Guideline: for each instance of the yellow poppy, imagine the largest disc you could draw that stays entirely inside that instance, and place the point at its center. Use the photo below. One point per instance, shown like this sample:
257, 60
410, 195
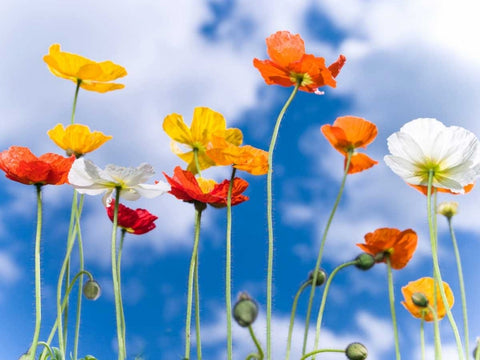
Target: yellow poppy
92, 75
206, 125
77, 139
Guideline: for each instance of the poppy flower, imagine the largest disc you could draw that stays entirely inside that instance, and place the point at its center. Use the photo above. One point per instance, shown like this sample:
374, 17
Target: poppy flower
349, 133
186, 187
448, 209
89, 179
21, 165
425, 286
138, 221
398, 245
92, 75
289, 64
77, 139
426, 145
246, 158
205, 124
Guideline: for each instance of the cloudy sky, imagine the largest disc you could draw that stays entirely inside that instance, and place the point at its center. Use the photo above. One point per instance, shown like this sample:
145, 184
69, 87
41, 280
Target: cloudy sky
405, 59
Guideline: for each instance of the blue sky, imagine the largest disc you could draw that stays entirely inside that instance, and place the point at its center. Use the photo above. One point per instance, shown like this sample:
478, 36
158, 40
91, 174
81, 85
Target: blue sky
405, 60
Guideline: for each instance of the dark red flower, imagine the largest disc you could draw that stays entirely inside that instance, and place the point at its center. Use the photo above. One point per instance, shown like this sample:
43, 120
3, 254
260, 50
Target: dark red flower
138, 221
21, 165
186, 187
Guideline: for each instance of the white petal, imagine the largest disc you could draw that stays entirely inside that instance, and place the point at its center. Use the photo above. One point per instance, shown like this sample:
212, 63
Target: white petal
404, 146
152, 190
130, 176
424, 131
403, 168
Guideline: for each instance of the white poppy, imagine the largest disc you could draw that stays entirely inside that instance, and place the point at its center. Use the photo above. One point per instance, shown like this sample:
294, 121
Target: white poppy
89, 179
425, 144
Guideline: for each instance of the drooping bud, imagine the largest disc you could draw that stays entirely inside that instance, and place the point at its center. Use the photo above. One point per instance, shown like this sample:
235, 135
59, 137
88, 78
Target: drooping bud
448, 209
420, 299
92, 290
321, 277
356, 351
364, 261
245, 310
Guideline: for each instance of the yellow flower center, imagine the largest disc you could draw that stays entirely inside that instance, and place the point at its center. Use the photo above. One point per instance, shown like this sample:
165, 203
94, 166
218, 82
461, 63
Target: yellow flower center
304, 79
206, 185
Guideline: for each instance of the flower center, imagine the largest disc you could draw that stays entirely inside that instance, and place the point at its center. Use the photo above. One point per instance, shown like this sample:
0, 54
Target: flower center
303, 79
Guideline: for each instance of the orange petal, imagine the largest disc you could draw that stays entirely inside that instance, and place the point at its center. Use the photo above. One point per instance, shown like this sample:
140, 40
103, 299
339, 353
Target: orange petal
337, 66
358, 131
272, 74
424, 189
359, 162
285, 48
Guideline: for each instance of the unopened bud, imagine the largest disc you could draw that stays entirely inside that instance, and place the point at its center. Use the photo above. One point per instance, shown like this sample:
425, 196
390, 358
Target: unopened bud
448, 208
92, 290
420, 299
321, 277
356, 351
245, 310
364, 261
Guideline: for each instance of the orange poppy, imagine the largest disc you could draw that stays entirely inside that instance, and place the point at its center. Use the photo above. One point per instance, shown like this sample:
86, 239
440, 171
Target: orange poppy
398, 245
246, 158
21, 165
289, 64
185, 186
349, 133
425, 287
424, 189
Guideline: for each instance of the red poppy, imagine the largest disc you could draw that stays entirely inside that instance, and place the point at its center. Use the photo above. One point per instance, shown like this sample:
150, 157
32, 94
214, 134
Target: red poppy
186, 187
21, 165
398, 245
349, 133
289, 64
138, 221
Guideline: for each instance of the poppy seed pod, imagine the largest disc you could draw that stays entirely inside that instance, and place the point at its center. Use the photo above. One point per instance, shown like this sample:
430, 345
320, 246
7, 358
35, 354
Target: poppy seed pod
92, 290
245, 310
356, 351
420, 299
321, 277
364, 261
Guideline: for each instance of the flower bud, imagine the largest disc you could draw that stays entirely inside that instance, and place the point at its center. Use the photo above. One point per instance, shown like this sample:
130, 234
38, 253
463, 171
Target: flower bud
420, 299
245, 310
356, 351
475, 352
92, 290
364, 261
321, 277
448, 208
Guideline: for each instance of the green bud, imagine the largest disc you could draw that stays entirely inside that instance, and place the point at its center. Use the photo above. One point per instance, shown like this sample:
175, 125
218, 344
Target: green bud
356, 351
92, 290
364, 261
245, 310
321, 277
420, 299
475, 352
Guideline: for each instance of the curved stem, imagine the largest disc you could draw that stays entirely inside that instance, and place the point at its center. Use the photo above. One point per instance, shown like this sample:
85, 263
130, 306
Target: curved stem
321, 351
72, 119
270, 218
80, 279
324, 300
198, 217
257, 343
320, 251
436, 268
116, 284
461, 283
436, 334
391, 296
292, 316
38, 291
228, 267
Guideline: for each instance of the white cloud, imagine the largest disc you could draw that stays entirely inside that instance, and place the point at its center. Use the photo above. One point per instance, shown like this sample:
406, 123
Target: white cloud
9, 269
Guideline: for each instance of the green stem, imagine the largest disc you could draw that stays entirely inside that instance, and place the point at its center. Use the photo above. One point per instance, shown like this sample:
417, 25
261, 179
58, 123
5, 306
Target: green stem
422, 338
270, 218
257, 343
321, 351
197, 311
324, 299
436, 334
391, 296
119, 262
292, 316
80, 280
228, 267
320, 251
436, 268
461, 284
38, 292
198, 217
116, 284
72, 119
197, 163
477, 350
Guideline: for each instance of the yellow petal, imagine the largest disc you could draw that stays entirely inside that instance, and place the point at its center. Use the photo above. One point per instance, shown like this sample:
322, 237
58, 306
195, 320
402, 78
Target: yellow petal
101, 87
206, 122
77, 138
234, 136
176, 129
